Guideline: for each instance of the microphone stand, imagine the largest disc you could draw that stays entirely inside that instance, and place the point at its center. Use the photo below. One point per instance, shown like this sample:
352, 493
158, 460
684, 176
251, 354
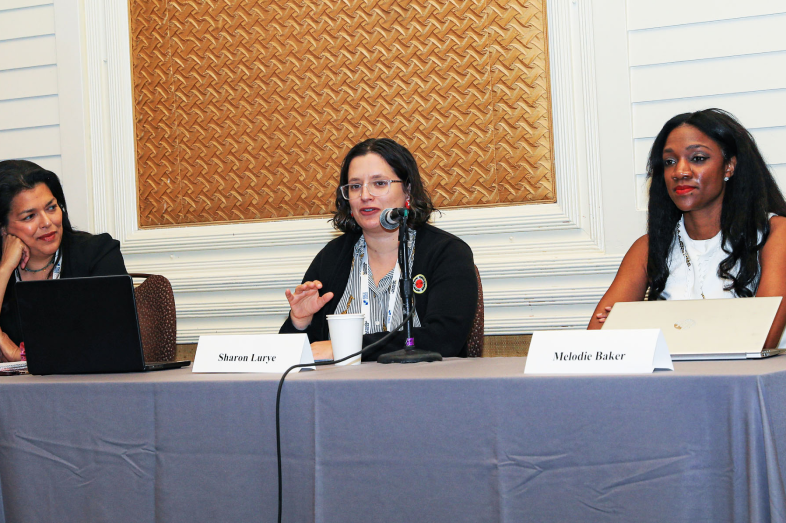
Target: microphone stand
409, 354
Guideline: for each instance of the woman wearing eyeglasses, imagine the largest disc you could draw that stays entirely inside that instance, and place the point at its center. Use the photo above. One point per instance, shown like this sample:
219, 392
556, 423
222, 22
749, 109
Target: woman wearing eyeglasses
379, 174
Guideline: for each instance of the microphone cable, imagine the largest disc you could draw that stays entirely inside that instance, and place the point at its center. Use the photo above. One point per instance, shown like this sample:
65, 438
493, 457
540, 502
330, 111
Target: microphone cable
320, 364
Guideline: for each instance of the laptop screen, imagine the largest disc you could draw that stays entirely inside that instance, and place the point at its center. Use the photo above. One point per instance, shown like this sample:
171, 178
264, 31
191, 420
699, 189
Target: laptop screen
724, 326
80, 325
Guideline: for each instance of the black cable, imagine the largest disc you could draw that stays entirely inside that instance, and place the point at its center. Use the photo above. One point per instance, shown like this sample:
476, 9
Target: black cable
319, 364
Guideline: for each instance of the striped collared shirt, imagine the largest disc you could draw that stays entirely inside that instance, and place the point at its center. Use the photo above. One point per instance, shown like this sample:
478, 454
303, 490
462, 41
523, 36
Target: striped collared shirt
379, 294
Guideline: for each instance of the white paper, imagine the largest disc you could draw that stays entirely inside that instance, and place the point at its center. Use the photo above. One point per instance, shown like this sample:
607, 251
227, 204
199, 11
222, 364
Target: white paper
14, 365
251, 353
634, 351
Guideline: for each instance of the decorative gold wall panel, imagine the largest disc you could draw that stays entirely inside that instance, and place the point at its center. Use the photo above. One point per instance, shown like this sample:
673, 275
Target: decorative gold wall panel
245, 109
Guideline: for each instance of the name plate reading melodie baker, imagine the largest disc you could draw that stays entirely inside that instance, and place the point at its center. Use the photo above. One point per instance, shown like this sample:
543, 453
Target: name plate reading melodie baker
635, 351
251, 353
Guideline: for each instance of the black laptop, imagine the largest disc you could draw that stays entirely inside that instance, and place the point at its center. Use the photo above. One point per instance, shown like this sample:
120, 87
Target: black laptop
82, 325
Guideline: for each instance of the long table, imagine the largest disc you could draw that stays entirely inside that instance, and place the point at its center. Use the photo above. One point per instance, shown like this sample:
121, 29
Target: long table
463, 440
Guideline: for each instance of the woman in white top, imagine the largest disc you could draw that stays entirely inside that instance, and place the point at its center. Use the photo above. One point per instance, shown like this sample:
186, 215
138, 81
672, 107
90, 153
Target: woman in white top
716, 225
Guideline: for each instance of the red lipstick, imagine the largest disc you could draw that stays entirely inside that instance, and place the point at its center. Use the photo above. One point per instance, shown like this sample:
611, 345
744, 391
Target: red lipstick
683, 189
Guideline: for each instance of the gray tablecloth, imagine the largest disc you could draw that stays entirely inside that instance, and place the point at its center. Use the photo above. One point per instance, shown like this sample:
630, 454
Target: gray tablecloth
462, 440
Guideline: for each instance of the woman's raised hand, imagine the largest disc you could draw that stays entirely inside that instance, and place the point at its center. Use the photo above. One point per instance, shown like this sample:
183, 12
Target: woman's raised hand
305, 302
15, 253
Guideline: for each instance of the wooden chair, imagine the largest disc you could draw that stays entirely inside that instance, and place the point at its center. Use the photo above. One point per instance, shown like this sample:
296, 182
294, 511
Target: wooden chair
476, 334
155, 305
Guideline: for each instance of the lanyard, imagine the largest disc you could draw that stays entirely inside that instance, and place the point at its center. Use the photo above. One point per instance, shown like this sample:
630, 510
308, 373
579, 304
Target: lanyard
365, 296
58, 265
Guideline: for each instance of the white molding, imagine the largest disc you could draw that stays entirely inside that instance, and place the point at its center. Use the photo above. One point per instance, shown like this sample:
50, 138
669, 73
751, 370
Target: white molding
493, 326
215, 276
530, 324
121, 117
121, 168
98, 174
591, 132
563, 109
316, 231
71, 99
559, 296
542, 297
208, 264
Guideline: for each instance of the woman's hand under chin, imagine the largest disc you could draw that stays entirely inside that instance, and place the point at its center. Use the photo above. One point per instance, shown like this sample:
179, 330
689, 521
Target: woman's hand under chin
10, 351
15, 253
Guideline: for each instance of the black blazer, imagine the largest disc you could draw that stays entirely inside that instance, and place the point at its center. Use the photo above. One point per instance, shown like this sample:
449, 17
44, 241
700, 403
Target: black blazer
446, 308
83, 255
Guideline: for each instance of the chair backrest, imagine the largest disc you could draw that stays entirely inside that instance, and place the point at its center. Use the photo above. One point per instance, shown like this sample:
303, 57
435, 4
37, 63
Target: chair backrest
155, 306
475, 341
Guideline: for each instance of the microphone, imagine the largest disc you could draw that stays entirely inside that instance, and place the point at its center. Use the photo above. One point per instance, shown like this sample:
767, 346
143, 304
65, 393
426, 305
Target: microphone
390, 218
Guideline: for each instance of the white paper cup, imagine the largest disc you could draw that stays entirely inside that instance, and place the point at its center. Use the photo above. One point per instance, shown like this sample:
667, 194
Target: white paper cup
346, 336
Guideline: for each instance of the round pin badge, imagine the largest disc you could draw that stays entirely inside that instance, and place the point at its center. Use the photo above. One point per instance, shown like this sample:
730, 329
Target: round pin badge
419, 284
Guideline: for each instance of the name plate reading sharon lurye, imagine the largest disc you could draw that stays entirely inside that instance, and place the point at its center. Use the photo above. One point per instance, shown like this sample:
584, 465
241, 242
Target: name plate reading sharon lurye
635, 351
251, 353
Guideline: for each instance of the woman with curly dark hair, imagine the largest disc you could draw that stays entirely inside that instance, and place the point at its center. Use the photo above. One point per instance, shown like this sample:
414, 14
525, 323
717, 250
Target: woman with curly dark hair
378, 174
716, 226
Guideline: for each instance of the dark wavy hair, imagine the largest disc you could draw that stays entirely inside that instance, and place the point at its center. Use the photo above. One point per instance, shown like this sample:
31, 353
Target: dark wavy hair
20, 175
404, 166
750, 195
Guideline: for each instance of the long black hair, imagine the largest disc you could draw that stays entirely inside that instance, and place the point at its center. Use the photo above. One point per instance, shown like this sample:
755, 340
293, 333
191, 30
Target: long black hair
21, 175
750, 195
403, 164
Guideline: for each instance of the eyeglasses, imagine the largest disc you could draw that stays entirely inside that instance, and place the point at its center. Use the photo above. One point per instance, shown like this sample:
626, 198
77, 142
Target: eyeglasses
352, 191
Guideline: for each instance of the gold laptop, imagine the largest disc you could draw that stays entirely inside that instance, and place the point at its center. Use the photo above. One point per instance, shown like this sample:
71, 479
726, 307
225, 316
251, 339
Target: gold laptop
703, 329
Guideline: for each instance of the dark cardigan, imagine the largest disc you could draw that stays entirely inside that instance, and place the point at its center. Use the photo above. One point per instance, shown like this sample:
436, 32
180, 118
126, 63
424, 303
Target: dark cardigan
83, 255
446, 308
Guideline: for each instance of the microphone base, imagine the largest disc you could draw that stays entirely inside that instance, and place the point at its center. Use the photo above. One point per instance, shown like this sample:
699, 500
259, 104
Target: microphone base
409, 356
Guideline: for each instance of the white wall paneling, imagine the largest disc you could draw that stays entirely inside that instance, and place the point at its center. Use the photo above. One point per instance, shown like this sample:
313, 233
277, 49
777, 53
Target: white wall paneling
755, 110
730, 55
664, 13
27, 52
51, 163
28, 112
22, 23
16, 4
30, 143
542, 265
709, 77
717, 39
28, 83
29, 106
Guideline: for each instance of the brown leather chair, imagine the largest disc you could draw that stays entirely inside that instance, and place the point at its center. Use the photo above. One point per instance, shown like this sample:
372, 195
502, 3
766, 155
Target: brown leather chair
155, 306
475, 340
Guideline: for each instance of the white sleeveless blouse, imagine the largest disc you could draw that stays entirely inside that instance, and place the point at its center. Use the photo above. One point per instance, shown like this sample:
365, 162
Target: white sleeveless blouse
688, 283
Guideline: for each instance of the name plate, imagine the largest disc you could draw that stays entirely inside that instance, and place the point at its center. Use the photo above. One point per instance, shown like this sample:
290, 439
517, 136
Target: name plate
251, 353
635, 351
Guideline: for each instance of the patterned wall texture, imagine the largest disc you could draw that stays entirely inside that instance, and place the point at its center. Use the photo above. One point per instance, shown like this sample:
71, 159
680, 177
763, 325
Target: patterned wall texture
244, 109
